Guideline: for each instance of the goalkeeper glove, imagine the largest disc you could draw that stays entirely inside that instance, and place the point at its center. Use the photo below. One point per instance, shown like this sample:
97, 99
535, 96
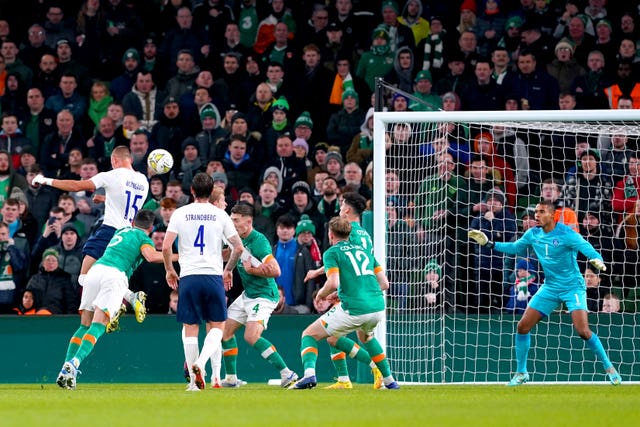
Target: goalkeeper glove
597, 263
480, 238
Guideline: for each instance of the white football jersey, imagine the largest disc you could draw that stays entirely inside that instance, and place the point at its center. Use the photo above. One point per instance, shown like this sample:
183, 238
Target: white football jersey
125, 191
201, 228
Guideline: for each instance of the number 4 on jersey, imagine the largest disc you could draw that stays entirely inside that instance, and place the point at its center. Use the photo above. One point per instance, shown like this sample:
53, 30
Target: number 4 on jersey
199, 242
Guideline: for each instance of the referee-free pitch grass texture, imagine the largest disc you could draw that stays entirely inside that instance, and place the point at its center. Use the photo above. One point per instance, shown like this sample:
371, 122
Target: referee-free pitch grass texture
151, 405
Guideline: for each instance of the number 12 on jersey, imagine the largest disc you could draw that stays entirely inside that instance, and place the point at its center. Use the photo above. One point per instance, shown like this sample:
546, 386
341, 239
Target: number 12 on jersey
199, 242
360, 263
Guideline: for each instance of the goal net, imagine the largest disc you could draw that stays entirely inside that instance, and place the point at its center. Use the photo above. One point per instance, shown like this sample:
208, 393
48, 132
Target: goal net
453, 305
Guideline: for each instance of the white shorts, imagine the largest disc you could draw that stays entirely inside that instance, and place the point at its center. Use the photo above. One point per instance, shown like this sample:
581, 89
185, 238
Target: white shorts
338, 322
244, 310
104, 288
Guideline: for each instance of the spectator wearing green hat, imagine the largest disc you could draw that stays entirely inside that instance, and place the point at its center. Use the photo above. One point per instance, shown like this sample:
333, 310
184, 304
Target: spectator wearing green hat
303, 127
211, 135
423, 86
431, 282
295, 261
53, 285
511, 39
280, 124
122, 84
399, 34
345, 124
378, 61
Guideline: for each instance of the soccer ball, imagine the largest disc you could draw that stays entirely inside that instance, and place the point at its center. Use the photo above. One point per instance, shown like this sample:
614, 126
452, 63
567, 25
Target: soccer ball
160, 161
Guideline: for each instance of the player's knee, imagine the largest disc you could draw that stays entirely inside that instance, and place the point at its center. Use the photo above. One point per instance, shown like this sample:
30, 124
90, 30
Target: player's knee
584, 332
251, 337
332, 341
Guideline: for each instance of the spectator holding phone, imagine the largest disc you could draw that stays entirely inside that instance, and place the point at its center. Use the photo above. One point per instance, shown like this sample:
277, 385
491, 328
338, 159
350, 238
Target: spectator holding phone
50, 236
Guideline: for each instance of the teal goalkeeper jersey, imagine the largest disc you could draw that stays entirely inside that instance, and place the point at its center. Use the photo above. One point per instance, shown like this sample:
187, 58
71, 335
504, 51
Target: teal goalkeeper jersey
359, 290
123, 251
557, 252
256, 286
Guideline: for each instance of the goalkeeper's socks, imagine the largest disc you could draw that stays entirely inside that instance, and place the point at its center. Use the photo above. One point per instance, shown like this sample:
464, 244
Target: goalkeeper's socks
354, 351
374, 349
339, 360
309, 355
230, 355
75, 342
523, 342
596, 346
93, 334
269, 353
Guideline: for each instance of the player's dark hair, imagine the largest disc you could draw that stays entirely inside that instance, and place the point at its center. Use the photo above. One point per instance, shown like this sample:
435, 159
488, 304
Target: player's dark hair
357, 202
144, 219
340, 227
202, 185
548, 203
243, 209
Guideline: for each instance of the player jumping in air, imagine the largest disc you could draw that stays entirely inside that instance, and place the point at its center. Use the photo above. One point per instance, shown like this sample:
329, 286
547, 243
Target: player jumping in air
125, 193
104, 288
556, 246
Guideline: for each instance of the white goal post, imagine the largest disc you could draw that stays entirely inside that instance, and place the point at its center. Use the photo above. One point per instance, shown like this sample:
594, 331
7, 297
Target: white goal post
458, 328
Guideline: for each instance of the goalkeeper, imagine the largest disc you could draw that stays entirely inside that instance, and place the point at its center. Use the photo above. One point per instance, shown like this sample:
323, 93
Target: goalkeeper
556, 246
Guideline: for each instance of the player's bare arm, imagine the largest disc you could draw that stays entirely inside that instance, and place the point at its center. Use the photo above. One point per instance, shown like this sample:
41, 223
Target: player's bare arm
151, 255
330, 286
269, 269
234, 256
167, 256
383, 281
312, 274
65, 184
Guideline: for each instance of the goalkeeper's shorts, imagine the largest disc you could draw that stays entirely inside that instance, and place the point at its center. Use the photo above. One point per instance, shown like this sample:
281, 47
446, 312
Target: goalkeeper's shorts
547, 299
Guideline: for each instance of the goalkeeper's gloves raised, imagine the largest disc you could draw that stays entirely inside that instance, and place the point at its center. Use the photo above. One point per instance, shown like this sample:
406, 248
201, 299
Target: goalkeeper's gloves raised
480, 238
597, 263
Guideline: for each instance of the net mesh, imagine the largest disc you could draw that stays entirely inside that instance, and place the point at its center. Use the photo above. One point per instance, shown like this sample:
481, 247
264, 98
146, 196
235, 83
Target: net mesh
453, 306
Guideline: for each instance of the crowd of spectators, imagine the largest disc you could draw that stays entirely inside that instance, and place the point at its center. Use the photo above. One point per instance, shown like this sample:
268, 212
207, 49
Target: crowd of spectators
273, 99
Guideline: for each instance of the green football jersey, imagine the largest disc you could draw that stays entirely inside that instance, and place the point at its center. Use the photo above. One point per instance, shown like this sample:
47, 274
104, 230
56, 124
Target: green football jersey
123, 251
256, 286
359, 290
359, 236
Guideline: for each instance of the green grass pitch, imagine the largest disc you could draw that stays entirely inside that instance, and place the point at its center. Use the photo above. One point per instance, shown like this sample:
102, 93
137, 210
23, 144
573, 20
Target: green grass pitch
157, 405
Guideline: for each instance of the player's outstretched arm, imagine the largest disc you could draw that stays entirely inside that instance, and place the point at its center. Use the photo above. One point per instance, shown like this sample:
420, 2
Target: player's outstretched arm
598, 263
480, 238
151, 255
65, 184
312, 274
330, 286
